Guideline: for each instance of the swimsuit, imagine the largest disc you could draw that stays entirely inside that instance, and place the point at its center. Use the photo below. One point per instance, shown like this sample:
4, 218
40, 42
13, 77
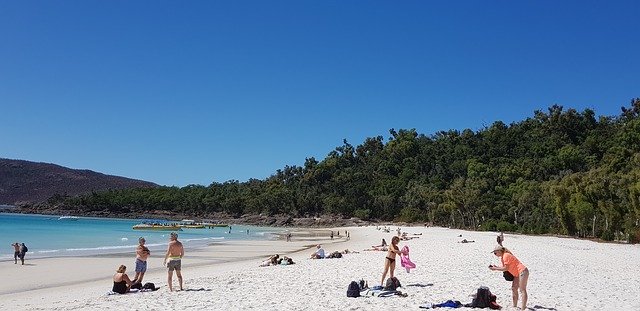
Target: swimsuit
141, 265
120, 287
391, 260
174, 263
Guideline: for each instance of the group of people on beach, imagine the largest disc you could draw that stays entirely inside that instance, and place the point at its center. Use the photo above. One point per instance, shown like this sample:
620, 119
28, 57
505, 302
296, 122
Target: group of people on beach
19, 251
172, 259
513, 270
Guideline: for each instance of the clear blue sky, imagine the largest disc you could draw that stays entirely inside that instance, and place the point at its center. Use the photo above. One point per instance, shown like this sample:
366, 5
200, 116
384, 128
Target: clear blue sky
191, 92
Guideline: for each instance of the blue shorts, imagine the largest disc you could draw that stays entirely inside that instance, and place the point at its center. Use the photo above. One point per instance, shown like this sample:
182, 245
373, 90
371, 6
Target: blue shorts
141, 266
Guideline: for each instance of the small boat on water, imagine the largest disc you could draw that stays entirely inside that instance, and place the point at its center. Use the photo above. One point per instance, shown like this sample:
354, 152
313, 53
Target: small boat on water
159, 227
68, 218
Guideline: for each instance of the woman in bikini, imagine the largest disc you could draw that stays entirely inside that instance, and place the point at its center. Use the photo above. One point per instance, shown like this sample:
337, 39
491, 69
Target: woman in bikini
390, 259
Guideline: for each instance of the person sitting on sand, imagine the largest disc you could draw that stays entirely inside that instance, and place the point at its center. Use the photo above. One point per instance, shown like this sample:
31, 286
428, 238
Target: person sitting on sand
520, 274
319, 253
390, 259
384, 243
121, 281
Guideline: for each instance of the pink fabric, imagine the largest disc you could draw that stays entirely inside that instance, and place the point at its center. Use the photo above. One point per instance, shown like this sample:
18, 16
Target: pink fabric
405, 261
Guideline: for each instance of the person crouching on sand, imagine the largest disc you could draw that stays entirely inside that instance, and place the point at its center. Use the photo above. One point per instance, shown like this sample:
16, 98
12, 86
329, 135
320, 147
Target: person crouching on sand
520, 274
390, 259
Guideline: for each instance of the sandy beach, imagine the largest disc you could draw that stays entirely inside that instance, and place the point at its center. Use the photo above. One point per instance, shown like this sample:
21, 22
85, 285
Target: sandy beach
566, 274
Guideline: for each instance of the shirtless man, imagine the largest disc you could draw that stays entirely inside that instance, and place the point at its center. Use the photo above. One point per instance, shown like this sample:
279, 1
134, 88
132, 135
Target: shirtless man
175, 252
142, 253
16, 251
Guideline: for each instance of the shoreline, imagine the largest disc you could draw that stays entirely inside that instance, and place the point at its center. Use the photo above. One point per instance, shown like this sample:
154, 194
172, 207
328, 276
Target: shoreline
211, 255
285, 222
579, 278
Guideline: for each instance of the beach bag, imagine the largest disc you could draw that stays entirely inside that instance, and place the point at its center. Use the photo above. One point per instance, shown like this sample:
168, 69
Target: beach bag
483, 298
392, 284
507, 276
337, 255
149, 286
353, 290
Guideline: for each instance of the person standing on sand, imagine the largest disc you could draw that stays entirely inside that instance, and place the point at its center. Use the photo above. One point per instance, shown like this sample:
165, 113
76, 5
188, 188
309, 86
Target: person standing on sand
23, 252
500, 238
16, 252
517, 269
175, 252
390, 259
142, 253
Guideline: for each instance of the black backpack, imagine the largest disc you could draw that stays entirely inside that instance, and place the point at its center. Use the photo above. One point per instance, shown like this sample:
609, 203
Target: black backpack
353, 290
149, 286
507, 276
392, 284
25, 249
483, 298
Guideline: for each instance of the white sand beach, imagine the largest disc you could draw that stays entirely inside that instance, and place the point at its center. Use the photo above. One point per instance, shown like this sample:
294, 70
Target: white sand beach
565, 274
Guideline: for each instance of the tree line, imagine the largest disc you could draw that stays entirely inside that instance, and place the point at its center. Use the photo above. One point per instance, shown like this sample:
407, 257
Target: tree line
559, 171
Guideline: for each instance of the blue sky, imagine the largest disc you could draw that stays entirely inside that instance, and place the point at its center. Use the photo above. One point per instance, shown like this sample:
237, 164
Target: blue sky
192, 92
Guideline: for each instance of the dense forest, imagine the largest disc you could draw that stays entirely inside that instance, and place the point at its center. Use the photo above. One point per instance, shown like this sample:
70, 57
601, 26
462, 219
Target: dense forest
559, 171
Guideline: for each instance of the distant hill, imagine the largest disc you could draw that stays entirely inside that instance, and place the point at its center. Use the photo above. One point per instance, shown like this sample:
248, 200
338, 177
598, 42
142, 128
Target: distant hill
25, 181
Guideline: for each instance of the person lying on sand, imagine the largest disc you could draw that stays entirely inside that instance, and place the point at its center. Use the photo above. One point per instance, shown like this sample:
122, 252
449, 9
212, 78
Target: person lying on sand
466, 241
377, 248
285, 261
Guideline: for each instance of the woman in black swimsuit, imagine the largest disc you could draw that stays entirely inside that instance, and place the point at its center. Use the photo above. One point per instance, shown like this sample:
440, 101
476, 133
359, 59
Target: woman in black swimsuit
121, 281
390, 260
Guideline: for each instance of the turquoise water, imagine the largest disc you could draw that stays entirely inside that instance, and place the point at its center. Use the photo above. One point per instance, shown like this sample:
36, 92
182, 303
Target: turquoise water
46, 236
